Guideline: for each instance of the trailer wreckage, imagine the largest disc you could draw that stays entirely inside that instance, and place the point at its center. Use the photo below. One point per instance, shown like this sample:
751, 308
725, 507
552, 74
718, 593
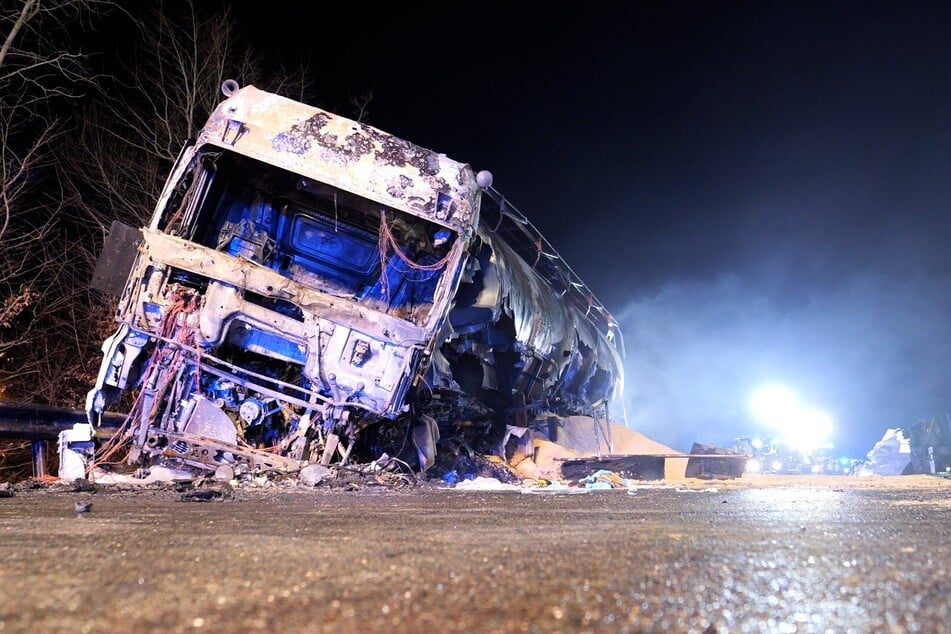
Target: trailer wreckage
313, 290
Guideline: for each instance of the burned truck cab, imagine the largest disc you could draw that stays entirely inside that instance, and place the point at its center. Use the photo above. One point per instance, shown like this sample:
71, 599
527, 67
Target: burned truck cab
294, 277
311, 289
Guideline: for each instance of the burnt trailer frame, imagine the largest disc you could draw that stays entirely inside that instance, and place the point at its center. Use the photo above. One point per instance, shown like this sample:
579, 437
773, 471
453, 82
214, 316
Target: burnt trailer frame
310, 286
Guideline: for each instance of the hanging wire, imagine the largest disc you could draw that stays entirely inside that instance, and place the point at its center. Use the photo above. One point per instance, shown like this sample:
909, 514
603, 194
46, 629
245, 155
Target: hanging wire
387, 241
173, 323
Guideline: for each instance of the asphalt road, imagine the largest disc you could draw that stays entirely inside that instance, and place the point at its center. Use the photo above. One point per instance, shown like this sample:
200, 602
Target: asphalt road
763, 556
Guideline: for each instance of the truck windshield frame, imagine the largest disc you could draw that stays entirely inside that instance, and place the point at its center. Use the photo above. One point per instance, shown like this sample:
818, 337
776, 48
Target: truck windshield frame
318, 235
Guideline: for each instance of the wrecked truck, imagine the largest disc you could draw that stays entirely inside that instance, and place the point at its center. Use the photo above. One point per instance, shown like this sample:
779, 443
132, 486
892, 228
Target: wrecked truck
313, 290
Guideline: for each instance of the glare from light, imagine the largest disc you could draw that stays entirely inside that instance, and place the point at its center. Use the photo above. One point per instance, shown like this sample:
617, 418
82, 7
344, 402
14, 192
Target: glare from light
777, 465
817, 468
801, 429
753, 466
774, 404
757, 443
808, 430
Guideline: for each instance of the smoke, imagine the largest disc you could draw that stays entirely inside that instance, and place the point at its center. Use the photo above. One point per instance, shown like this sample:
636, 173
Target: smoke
870, 352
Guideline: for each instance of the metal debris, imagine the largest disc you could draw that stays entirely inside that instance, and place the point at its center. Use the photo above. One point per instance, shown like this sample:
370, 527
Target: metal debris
83, 485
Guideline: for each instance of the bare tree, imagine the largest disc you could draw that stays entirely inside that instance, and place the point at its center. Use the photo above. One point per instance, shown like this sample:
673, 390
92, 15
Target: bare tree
39, 70
42, 67
33, 56
158, 96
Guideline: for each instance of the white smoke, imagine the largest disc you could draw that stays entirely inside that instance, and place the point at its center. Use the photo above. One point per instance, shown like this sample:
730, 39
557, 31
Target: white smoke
874, 355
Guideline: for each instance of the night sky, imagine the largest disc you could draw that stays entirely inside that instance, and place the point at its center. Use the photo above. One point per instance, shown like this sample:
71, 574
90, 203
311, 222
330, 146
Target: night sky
758, 191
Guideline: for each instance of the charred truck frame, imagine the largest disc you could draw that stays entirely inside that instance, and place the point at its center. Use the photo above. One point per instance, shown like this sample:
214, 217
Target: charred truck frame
311, 289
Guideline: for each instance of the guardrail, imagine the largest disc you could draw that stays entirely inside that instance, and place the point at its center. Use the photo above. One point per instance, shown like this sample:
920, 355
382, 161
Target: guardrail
43, 423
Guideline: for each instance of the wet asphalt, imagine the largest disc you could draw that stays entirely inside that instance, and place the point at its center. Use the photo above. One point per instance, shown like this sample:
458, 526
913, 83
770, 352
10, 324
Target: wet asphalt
712, 558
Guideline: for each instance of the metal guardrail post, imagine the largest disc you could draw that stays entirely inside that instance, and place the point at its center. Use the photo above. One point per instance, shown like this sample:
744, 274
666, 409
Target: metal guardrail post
39, 459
